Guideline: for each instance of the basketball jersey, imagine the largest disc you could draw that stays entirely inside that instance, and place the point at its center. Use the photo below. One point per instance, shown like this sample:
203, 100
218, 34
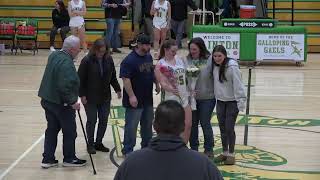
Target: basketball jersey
160, 17
179, 72
76, 21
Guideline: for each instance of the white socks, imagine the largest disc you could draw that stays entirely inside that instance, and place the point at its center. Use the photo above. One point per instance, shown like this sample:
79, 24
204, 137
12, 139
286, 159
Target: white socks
226, 153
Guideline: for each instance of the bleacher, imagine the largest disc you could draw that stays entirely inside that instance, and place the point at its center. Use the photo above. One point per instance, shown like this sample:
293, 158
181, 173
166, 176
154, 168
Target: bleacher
41, 10
306, 13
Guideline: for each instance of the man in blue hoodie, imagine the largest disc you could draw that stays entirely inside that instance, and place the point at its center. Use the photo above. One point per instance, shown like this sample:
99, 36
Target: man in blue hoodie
167, 156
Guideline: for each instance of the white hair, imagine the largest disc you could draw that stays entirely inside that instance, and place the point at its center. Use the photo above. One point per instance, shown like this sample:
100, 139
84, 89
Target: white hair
70, 42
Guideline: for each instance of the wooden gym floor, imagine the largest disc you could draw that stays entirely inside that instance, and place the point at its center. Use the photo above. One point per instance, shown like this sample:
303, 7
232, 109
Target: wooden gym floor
283, 141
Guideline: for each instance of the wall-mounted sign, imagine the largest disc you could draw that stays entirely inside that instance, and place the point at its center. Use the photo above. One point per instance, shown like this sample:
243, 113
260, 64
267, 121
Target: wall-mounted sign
231, 41
280, 46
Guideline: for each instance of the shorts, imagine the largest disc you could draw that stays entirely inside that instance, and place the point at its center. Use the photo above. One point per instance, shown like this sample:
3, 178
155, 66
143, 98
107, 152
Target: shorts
76, 22
78, 27
160, 24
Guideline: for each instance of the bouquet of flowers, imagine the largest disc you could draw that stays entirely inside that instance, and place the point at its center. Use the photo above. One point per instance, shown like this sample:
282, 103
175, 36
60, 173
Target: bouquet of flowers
192, 74
168, 73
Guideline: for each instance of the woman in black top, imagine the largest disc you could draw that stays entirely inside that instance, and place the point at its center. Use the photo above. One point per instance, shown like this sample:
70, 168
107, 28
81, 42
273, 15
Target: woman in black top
97, 73
60, 19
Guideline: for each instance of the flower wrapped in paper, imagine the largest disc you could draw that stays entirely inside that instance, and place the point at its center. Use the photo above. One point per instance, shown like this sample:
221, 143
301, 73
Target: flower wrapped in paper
177, 83
192, 77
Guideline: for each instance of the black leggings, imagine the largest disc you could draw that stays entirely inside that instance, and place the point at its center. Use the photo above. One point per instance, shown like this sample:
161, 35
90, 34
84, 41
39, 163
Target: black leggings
63, 32
227, 113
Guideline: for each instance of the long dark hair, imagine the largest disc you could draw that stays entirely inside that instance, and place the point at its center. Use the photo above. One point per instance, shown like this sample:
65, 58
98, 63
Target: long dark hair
221, 49
167, 44
61, 5
204, 53
97, 45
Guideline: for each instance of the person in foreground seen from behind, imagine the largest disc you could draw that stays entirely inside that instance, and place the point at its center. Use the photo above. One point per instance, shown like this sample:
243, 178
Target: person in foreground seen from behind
167, 156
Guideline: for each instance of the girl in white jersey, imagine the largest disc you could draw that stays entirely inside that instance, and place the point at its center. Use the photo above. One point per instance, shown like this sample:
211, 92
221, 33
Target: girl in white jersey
161, 12
177, 91
77, 9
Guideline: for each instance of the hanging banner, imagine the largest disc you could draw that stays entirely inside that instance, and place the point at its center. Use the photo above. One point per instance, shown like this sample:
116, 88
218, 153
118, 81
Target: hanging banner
231, 41
280, 46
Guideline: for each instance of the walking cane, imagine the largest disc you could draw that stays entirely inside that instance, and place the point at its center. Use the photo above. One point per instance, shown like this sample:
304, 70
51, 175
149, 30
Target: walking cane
85, 136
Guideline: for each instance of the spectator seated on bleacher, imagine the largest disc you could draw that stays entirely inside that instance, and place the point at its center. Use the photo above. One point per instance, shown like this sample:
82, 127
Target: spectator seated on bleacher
60, 18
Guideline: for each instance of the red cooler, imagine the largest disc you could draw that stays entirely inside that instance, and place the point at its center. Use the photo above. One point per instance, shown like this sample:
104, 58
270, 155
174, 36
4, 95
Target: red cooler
247, 11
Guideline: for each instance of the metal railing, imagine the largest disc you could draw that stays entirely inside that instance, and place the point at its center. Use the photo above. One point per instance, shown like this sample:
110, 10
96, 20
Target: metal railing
292, 11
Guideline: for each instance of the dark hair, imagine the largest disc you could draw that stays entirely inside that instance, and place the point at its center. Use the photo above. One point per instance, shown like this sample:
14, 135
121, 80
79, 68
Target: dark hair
61, 5
221, 49
204, 53
169, 118
167, 44
97, 44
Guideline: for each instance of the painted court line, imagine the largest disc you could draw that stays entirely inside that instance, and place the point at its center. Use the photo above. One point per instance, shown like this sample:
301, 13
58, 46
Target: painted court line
21, 157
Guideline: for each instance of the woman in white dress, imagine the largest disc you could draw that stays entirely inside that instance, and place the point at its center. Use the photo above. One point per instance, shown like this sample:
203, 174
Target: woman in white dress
77, 9
174, 83
161, 12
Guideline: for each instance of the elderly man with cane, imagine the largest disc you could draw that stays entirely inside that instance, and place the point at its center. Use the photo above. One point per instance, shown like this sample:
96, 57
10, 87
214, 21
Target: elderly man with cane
59, 99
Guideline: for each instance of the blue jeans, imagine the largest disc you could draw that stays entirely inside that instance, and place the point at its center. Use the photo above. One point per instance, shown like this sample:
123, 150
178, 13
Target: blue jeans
203, 115
112, 32
178, 29
63, 118
226, 6
92, 110
132, 118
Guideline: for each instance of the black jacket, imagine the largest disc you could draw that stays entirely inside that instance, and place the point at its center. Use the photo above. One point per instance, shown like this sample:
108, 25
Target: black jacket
114, 13
167, 158
146, 7
179, 9
60, 19
94, 86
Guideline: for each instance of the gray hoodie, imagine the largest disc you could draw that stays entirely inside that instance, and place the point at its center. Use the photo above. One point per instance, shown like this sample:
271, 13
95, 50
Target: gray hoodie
204, 85
232, 89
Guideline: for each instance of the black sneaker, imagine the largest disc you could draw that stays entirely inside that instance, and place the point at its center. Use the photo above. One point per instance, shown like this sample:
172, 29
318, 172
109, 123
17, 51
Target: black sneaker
75, 163
209, 154
101, 147
116, 50
91, 149
49, 164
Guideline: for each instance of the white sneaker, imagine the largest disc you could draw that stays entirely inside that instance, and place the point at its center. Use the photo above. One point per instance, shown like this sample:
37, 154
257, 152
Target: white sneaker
52, 48
46, 165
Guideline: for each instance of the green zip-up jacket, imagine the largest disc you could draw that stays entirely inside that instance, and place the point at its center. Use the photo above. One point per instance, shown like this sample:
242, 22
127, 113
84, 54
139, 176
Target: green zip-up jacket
60, 82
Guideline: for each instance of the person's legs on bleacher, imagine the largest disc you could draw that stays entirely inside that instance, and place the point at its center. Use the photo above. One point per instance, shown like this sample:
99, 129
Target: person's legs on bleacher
53, 34
63, 32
